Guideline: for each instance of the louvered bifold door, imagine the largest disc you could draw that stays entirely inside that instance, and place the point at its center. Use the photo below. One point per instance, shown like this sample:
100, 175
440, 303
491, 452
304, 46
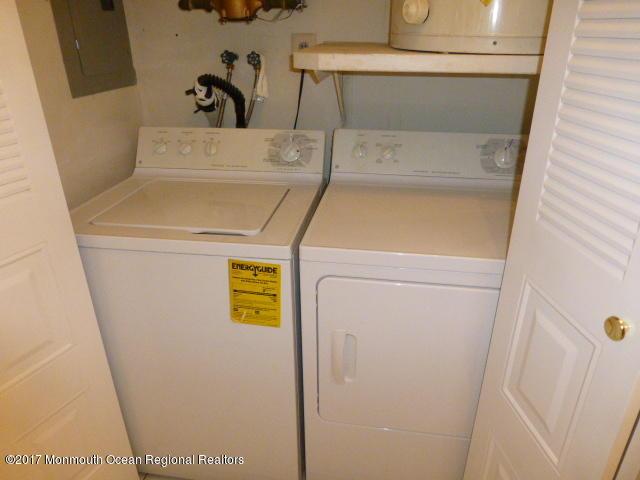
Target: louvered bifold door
592, 192
57, 399
561, 391
13, 175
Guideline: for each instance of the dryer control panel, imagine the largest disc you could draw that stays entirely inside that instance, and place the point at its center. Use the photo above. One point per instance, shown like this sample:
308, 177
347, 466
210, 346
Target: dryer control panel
428, 154
250, 150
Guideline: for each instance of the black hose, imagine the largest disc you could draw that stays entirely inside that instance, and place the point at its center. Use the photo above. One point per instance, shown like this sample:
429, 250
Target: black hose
234, 92
196, 4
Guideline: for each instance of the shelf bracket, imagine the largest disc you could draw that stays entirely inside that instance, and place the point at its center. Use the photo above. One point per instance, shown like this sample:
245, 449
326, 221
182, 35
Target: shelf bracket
339, 85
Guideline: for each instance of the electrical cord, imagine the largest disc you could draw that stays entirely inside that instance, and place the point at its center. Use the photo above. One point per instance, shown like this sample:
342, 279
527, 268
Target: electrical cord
295, 124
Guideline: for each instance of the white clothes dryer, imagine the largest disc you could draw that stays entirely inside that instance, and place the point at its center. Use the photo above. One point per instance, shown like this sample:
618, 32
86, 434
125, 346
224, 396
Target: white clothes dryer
401, 270
192, 267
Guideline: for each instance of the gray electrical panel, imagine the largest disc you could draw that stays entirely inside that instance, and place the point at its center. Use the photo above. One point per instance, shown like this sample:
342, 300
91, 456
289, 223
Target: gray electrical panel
95, 45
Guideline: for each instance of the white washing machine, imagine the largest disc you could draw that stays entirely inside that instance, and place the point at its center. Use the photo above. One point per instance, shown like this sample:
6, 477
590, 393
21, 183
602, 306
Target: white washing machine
193, 272
401, 269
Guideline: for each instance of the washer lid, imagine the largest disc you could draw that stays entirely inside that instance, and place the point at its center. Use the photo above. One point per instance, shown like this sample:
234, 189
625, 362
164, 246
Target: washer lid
197, 207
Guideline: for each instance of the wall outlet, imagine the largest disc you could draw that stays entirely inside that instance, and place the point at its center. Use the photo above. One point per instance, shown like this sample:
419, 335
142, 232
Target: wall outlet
300, 41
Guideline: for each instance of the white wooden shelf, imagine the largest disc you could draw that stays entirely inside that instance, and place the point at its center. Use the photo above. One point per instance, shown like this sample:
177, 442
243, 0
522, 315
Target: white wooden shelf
378, 57
345, 57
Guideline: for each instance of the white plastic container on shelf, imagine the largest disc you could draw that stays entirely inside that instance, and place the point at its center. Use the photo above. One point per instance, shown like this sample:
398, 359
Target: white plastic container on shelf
470, 26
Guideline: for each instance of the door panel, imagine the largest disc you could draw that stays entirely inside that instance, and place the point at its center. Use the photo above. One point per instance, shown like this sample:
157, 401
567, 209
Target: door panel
630, 467
549, 365
32, 316
558, 391
400, 355
62, 434
56, 392
498, 466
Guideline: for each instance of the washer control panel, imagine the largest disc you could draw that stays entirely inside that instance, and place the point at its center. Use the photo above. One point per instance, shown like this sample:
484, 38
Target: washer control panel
428, 154
252, 150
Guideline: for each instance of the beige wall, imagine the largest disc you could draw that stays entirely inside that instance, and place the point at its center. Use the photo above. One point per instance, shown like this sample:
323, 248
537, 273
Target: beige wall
94, 138
172, 47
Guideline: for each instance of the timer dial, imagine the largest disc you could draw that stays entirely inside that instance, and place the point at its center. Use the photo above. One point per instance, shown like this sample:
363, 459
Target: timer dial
506, 157
290, 151
293, 150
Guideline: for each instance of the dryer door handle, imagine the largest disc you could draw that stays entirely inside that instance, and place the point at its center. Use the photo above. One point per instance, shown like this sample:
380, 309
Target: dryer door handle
343, 356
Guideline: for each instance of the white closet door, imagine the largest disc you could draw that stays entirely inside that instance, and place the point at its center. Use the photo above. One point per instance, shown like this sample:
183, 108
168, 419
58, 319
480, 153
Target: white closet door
56, 392
630, 466
560, 397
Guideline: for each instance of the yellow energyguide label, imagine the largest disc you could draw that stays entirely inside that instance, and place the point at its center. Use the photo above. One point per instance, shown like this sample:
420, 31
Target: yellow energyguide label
486, 2
255, 293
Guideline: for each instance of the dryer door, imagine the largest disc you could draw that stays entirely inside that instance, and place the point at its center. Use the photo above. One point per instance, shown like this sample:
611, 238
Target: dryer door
402, 356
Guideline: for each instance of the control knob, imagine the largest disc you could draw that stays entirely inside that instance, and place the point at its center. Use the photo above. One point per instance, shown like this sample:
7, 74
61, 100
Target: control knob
290, 150
360, 151
506, 157
388, 153
185, 148
160, 147
211, 148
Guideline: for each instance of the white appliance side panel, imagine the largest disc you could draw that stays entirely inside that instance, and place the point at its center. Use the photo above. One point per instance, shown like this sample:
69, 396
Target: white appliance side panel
403, 356
189, 379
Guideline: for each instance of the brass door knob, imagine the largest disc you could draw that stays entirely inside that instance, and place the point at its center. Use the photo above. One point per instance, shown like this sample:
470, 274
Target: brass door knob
616, 328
